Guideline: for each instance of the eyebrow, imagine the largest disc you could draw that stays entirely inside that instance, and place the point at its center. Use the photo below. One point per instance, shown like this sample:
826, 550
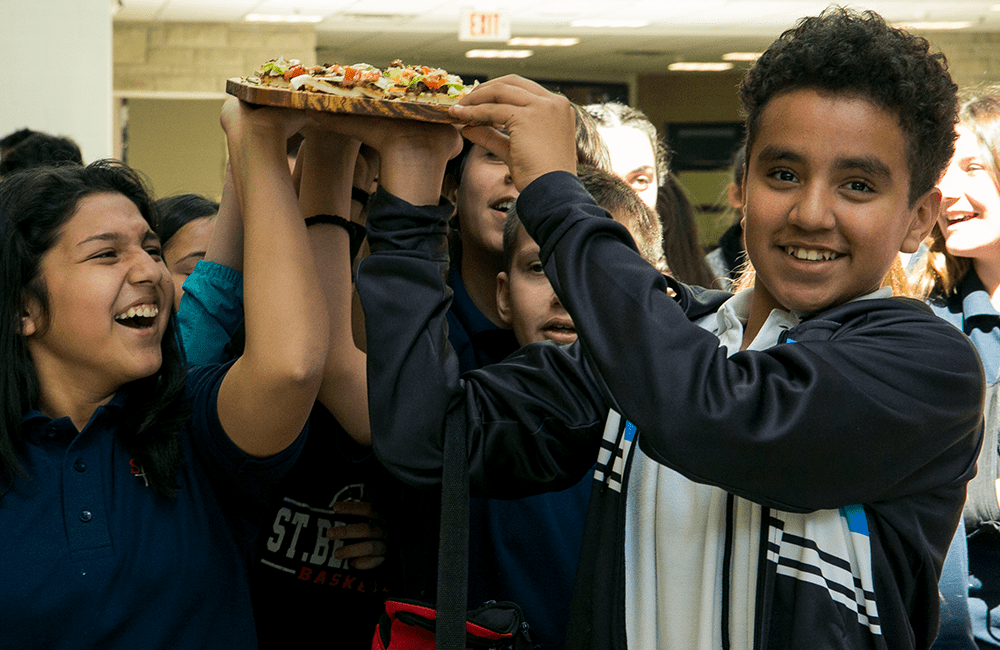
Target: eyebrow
190, 255
148, 236
870, 165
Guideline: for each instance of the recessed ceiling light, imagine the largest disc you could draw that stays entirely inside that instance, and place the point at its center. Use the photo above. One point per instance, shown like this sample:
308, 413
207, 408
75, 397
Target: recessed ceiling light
283, 18
930, 26
609, 24
525, 41
741, 56
498, 54
692, 66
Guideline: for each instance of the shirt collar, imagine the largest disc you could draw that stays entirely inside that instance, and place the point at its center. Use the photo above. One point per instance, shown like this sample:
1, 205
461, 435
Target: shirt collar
734, 313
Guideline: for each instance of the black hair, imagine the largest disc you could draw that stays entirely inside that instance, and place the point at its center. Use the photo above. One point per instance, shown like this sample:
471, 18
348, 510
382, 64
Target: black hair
849, 53
15, 138
174, 212
35, 205
40, 149
684, 255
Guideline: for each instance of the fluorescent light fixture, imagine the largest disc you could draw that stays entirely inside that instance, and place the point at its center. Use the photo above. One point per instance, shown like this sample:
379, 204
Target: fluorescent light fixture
283, 18
995, 8
691, 66
741, 56
609, 24
498, 54
525, 41
931, 26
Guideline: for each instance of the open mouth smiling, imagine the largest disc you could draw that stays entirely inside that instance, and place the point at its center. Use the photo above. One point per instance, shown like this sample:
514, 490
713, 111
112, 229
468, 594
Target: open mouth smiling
138, 317
811, 254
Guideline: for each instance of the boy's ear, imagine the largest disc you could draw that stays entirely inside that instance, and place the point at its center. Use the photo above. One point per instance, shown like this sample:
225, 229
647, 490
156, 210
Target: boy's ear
503, 298
924, 214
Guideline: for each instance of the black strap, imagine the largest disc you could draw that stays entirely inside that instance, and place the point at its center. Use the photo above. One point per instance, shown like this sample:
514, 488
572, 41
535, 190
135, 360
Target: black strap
453, 552
355, 231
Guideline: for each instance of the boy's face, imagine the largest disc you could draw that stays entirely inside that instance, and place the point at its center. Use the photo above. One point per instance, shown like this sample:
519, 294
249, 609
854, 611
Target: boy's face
485, 193
526, 301
826, 200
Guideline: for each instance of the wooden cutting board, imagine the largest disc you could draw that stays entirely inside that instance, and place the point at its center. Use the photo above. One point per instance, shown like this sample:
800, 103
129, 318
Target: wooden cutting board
284, 98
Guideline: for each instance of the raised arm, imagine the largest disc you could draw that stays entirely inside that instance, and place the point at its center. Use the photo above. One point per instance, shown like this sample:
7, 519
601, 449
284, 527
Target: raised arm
266, 396
212, 306
328, 163
534, 428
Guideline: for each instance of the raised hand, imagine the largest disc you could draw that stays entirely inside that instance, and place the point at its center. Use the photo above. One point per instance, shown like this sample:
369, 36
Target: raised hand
530, 128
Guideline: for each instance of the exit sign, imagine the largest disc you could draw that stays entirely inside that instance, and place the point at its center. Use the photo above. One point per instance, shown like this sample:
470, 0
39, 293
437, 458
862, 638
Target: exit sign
483, 25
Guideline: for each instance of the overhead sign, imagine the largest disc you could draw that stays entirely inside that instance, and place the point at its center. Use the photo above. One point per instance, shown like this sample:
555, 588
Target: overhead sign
476, 25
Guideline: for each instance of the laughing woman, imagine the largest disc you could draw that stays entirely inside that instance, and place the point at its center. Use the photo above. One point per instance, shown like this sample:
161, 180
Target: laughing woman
961, 275
128, 483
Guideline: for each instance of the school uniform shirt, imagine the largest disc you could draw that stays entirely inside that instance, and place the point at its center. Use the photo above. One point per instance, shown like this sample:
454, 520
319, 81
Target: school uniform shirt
970, 580
836, 460
298, 586
92, 558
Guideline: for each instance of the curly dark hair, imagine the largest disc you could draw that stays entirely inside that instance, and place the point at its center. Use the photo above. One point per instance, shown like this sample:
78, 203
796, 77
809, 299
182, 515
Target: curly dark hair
850, 53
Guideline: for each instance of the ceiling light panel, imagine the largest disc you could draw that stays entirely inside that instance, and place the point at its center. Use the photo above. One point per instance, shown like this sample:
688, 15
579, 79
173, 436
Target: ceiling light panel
199, 10
537, 41
498, 54
693, 66
304, 7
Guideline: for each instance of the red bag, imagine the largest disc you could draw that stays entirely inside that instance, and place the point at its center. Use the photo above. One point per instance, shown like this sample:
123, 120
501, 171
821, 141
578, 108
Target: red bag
410, 625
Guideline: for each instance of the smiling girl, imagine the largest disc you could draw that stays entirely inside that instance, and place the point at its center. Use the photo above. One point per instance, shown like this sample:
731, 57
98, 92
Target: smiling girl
128, 483
961, 275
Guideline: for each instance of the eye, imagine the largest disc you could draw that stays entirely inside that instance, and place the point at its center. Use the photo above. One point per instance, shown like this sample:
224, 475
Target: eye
859, 186
106, 254
536, 267
784, 176
640, 183
155, 252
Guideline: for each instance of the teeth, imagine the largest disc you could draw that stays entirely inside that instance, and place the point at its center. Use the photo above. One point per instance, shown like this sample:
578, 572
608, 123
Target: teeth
143, 311
811, 254
503, 206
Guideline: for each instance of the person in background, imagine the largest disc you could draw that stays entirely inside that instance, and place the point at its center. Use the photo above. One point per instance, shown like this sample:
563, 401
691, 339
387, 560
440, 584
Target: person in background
319, 566
40, 149
960, 276
14, 138
637, 154
727, 259
681, 249
184, 224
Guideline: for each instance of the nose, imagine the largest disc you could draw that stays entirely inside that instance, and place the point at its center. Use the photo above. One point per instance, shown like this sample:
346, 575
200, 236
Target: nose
813, 210
952, 186
145, 269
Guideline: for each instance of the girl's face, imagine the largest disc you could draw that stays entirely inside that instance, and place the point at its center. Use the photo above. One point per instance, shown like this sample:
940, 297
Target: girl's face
109, 299
970, 203
633, 159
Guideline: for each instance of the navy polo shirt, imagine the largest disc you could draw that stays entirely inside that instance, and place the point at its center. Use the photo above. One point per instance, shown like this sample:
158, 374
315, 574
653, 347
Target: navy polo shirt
92, 558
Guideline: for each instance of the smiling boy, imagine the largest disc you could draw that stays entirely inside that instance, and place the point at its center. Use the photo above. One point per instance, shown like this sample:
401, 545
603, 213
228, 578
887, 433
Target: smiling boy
799, 453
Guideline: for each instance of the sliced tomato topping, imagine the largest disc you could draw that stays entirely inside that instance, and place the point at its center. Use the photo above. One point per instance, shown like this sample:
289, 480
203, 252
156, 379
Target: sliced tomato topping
351, 76
434, 81
294, 72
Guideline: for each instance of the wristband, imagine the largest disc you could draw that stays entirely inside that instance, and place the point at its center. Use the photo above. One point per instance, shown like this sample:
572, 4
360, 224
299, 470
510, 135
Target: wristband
355, 231
359, 195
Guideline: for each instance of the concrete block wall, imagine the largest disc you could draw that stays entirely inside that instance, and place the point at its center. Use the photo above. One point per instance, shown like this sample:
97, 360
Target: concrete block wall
199, 57
973, 58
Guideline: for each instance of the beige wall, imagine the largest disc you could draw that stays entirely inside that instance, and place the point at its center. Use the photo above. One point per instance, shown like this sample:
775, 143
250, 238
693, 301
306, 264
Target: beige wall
172, 78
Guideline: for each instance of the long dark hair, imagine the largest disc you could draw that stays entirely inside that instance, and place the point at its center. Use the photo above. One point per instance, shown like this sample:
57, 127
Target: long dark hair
35, 204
